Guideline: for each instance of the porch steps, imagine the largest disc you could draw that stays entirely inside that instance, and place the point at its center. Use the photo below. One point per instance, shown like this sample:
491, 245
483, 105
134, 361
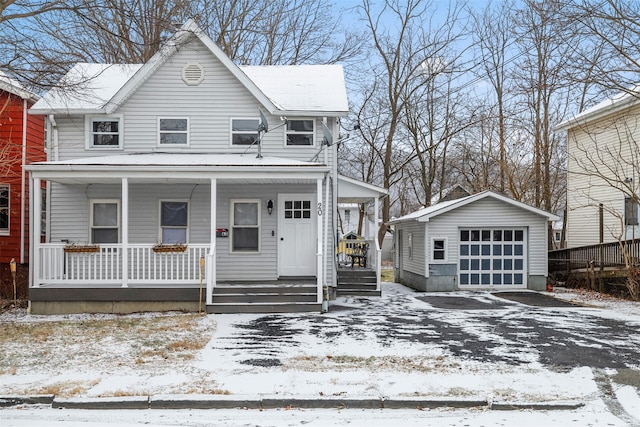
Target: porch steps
264, 298
357, 282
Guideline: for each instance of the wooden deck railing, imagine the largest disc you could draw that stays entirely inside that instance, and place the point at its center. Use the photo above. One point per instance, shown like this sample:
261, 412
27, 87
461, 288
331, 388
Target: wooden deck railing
566, 260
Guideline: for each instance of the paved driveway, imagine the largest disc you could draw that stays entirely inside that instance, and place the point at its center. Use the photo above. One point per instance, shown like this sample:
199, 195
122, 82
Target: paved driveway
513, 328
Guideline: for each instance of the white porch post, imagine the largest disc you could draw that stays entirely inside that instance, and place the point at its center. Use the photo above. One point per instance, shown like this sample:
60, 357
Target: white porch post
319, 270
378, 244
35, 233
211, 256
125, 232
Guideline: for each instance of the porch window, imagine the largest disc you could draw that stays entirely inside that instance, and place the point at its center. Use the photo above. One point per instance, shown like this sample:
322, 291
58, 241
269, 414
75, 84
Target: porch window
105, 221
244, 131
174, 221
439, 249
173, 131
104, 132
630, 211
4, 210
300, 132
245, 232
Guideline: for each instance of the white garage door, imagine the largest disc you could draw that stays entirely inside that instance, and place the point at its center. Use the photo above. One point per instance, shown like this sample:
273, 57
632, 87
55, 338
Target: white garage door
492, 257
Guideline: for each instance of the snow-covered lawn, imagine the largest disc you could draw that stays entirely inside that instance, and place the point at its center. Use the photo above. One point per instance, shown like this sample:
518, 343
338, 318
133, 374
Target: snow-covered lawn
344, 353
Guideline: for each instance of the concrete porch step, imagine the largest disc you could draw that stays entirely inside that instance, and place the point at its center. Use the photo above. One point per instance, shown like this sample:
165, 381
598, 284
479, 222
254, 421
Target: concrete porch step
276, 297
300, 307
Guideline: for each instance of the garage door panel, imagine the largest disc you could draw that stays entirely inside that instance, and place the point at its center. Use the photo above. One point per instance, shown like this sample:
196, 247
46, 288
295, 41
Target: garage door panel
490, 257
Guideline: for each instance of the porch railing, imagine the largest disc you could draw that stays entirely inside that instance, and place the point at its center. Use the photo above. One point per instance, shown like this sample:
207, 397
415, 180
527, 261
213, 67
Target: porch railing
104, 265
566, 260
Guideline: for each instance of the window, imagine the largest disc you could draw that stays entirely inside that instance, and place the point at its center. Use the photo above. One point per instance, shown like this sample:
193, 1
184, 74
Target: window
244, 131
104, 132
174, 220
173, 131
630, 211
300, 132
4, 209
439, 248
245, 230
105, 221
410, 245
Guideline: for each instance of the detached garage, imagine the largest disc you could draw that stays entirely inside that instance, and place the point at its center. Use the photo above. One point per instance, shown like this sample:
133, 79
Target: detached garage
483, 241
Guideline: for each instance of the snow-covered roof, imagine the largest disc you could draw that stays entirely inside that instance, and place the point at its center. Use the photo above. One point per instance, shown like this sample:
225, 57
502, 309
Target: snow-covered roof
86, 88
425, 214
181, 159
608, 106
13, 86
302, 88
296, 89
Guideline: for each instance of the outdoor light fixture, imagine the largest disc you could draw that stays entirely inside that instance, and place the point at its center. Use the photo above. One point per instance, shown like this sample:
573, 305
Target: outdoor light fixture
270, 206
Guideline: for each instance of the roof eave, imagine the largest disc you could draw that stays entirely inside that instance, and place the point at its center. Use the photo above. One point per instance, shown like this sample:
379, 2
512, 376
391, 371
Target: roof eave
580, 120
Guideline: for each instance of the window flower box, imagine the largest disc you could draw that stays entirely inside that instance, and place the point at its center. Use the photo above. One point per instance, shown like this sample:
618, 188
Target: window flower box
81, 248
169, 248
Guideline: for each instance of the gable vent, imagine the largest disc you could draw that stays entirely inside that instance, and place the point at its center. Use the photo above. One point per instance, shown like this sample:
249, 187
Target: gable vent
193, 74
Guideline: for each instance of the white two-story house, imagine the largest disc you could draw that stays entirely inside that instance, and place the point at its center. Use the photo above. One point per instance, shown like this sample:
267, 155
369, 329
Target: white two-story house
190, 183
603, 170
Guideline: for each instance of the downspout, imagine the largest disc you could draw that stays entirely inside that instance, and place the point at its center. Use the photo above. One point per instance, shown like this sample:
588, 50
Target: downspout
22, 180
54, 127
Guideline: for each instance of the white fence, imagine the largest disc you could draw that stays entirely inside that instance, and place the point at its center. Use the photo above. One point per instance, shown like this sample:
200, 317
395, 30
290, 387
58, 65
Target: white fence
104, 265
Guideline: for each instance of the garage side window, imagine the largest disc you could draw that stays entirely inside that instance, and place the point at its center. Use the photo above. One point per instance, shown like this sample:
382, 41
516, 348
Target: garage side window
439, 249
4, 210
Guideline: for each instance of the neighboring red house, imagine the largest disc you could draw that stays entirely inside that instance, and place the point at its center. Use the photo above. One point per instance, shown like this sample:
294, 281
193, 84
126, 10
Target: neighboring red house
22, 138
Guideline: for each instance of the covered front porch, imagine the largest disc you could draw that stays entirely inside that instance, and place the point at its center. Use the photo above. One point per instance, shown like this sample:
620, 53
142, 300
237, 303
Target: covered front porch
142, 272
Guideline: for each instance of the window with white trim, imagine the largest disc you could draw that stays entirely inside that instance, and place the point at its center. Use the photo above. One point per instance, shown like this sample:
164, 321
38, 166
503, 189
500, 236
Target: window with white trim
439, 249
630, 211
244, 131
105, 221
300, 132
173, 131
105, 132
174, 221
4, 209
245, 229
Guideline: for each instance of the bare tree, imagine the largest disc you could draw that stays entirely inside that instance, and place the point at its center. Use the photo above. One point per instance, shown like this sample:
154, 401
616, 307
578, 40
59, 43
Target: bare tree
402, 51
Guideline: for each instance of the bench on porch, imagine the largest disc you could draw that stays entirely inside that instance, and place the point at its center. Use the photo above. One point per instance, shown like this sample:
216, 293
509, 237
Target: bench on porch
359, 255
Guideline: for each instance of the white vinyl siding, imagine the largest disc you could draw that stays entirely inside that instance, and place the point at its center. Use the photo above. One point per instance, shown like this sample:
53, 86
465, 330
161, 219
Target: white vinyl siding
413, 255
491, 213
70, 219
209, 116
585, 190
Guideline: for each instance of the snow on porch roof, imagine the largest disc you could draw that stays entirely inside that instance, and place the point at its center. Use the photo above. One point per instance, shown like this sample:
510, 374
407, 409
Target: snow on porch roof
353, 191
181, 159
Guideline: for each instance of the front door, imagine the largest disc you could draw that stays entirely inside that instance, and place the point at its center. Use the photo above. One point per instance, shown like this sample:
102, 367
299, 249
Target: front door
297, 234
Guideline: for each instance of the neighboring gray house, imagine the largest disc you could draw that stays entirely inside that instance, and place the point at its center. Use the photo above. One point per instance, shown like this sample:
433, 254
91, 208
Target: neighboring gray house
189, 182
483, 241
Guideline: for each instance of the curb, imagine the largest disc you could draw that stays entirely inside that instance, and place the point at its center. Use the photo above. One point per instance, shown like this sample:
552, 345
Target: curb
244, 402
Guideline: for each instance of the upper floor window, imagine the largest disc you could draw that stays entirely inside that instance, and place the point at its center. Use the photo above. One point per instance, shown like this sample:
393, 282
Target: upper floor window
244, 131
630, 211
300, 132
173, 131
105, 221
4, 209
105, 132
174, 221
